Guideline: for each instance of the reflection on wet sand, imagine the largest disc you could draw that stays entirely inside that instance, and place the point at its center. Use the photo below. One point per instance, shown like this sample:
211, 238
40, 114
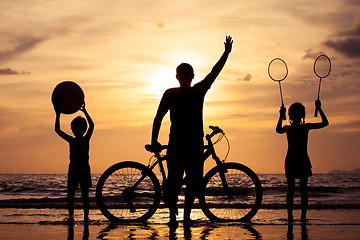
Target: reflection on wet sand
290, 232
71, 232
234, 231
133, 231
196, 231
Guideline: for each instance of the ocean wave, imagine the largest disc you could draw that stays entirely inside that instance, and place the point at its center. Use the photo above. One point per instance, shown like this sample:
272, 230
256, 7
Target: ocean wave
61, 203
49, 191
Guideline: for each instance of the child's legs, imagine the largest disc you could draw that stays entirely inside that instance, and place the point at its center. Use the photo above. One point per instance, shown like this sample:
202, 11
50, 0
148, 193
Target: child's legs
85, 184
72, 185
290, 195
304, 197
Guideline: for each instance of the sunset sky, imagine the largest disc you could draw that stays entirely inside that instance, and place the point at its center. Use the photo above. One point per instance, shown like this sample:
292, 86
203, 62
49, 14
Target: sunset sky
123, 54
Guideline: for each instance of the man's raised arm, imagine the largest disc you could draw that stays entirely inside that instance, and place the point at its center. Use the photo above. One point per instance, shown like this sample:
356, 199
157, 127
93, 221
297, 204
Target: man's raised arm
210, 78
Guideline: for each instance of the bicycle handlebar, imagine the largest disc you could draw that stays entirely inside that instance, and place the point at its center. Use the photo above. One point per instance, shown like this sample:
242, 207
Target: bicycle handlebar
216, 129
155, 149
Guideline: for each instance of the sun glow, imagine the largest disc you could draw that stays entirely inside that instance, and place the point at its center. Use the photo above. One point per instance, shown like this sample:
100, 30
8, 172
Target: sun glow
164, 79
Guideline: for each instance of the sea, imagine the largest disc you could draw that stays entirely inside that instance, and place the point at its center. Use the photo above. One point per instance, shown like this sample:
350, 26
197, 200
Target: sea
41, 198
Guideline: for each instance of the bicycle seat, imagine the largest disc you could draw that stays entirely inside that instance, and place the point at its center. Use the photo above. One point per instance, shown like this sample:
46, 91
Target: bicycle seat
153, 149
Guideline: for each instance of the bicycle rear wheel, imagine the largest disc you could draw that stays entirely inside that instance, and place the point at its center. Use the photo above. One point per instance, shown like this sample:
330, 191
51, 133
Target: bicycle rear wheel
239, 202
128, 192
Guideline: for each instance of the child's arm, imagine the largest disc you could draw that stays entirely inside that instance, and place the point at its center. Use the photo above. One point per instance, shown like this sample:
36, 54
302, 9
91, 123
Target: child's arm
324, 121
90, 121
62, 134
210, 78
279, 128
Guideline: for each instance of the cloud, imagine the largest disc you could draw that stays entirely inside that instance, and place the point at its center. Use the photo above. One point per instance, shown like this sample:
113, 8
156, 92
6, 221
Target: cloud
9, 71
247, 78
310, 54
346, 42
22, 45
160, 25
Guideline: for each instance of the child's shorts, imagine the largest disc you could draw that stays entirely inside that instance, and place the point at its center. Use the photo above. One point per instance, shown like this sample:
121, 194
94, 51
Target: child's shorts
84, 179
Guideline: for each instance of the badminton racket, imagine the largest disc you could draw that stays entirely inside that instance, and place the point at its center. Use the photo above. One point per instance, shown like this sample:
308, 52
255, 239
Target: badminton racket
278, 71
322, 69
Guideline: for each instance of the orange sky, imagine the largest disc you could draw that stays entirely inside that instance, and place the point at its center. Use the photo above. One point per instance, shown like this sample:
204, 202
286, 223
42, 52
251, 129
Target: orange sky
124, 53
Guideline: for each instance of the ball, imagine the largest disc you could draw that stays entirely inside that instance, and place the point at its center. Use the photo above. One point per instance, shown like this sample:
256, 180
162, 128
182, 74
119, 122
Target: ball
67, 97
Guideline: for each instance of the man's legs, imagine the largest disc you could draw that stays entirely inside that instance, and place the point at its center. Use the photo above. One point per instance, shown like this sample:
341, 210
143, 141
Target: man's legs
193, 187
194, 169
174, 181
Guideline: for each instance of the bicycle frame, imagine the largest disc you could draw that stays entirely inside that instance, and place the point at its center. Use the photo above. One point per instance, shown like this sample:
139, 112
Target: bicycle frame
209, 151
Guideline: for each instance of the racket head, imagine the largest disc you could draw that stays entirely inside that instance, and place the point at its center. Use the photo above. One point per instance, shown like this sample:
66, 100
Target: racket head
277, 69
322, 66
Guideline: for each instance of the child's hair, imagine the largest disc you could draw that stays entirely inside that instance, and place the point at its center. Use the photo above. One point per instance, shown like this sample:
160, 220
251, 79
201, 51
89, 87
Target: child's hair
79, 125
297, 111
185, 71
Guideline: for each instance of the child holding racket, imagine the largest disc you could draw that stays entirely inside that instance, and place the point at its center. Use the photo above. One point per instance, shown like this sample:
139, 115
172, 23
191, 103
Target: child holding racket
297, 161
79, 168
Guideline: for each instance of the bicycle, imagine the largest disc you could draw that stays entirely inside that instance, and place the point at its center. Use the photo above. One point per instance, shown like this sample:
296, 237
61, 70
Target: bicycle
131, 192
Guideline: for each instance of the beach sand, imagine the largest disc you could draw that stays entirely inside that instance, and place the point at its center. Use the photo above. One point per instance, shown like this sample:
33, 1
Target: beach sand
267, 224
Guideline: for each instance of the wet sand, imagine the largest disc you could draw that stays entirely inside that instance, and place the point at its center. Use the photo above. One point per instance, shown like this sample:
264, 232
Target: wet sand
162, 231
267, 224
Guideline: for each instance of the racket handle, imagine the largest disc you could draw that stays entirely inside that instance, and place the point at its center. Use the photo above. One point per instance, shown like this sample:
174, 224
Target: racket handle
316, 108
316, 112
283, 116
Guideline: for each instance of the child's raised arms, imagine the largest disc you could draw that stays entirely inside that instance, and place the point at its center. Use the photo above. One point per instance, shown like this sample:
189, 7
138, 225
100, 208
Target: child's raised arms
324, 122
69, 138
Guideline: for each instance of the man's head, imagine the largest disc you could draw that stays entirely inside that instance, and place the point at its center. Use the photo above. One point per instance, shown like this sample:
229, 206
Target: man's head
185, 74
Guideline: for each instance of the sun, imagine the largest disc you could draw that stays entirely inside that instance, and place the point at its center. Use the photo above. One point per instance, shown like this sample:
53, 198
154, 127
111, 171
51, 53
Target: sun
164, 78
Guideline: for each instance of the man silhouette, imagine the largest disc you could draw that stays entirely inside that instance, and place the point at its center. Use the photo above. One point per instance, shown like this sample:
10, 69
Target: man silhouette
186, 146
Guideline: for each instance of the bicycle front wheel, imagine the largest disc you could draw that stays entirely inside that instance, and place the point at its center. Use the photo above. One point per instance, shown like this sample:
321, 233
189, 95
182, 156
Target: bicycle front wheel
236, 196
128, 192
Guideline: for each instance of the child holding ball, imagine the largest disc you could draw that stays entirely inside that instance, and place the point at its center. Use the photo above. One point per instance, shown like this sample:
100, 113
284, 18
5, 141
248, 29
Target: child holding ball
79, 167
